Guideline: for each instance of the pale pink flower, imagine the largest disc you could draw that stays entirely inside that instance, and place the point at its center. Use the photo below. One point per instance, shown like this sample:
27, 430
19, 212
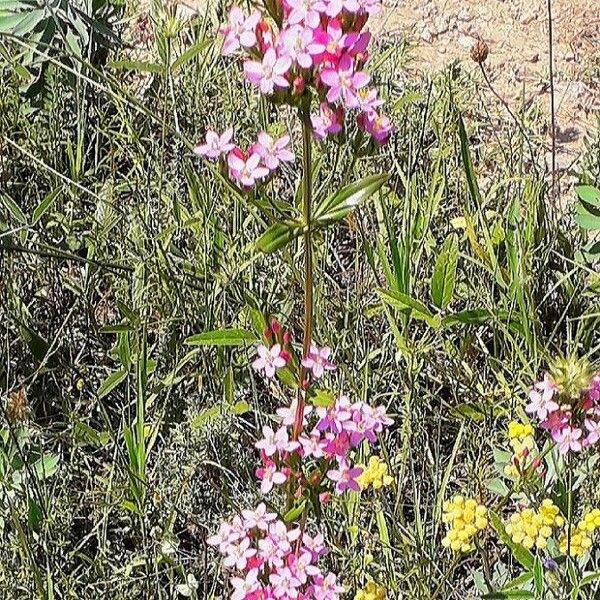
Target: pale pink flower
315, 545
278, 441
240, 30
270, 551
568, 439
258, 518
541, 402
343, 82
594, 431
284, 583
318, 361
328, 122
223, 538
312, 445
362, 426
238, 554
246, 171
368, 101
301, 45
269, 73
243, 587
270, 476
345, 477
334, 8
379, 126
371, 7
215, 145
288, 413
269, 360
302, 567
326, 588
304, 11
273, 151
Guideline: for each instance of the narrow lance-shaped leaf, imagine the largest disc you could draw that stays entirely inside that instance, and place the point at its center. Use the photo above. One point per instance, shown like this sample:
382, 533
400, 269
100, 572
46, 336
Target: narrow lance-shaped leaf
222, 337
405, 302
444, 273
279, 235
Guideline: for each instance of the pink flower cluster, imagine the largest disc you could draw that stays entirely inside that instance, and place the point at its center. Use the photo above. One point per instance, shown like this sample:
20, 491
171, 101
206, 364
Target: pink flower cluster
573, 424
270, 561
337, 431
246, 168
320, 43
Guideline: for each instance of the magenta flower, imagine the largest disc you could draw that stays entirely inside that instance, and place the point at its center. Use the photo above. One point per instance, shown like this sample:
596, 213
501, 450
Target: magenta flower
269, 359
328, 122
240, 30
332, 39
273, 151
345, 477
362, 426
243, 587
541, 400
237, 554
343, 82
334, 417
326, 588
215, 145
301, 44
379, 126
246, 171
270, 476
318, 361
568, 439
269, 73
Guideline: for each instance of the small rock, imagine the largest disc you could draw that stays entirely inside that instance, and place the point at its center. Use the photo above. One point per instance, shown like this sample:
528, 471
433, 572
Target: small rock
464, 16
570, 56
465, 41
427, 35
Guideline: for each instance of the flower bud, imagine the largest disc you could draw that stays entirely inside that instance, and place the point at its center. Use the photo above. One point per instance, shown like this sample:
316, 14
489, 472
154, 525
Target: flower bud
525, 452
287, 336
285, 355
536, 463
298, 86
267, 332
264, 36
305, 384
275, 326
325, 497
480, 51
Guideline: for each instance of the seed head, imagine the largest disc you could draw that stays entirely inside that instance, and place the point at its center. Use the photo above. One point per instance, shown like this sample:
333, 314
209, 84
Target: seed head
480, 51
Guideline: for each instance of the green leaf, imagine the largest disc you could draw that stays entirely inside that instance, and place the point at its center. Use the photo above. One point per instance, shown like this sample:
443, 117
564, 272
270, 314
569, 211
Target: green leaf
111, 382
519, 581
294, 513
20, 24
404, 302
241, 408
587, 217
538, 576
511, 595
46, 466
589, 194
136, 65
444, 273
45, 204
590, 578
497, 486
190, 53
14, 209
279, 235
342, 203
205, 416
470, 411
524, 556
222, 337
323, 399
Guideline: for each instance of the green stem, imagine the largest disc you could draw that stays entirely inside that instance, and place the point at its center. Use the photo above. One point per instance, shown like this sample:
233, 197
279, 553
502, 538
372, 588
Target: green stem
308, 263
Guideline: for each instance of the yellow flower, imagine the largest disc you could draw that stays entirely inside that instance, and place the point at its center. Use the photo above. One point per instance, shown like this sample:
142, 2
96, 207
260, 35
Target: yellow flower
580, 542
520, 437
533, 528
372, 591
375, 474
465, 518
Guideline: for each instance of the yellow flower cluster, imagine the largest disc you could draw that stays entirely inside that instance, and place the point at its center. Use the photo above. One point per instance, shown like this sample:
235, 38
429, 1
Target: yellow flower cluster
375, 474
581, 536
533, 528
520, 437
465, 518
372, 591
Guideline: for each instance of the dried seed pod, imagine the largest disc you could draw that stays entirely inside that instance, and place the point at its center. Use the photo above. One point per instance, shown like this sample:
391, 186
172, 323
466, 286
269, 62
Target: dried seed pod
479, 51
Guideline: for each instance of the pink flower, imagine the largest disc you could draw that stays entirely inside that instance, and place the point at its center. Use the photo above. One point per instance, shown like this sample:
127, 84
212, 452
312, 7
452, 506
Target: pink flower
243, 587
337, 445
332, 40
273, 151
345, 477
343, 82
318, 361
362, 426
302, 567
273, 442
327, 122
568, 439
334, 417
326, 588
594, 431
541, 400
270, 476
269, 73
368, 101
240, 30
215, 145
312, 445
303, 11
379, 126
248, 171
315, 545
223, 538
556, 421
258, 518
284, 583
269, 359
288, 413
301, 45
238, 554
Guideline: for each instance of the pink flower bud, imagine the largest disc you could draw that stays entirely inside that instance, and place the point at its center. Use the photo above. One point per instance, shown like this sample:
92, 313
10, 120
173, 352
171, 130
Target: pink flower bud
264, 35
298, 86
267, 333
525, 452
285, 355
305, 384
275, 326
325, 497
536, 463
287, 336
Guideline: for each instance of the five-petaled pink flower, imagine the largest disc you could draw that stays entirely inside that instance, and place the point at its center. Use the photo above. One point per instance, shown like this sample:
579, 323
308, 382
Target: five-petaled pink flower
270, 476
238, 554
273, 151
244, 587
276, 441
304, 11
345, 477
269, 73
344, 82
215, 145
328, 121
568, 439
541, 399
246, 171
269, 359
240, 30
318, 361
302, 45
593, 428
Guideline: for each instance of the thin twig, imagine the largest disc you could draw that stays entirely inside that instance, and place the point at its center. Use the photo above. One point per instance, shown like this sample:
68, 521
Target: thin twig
552, 107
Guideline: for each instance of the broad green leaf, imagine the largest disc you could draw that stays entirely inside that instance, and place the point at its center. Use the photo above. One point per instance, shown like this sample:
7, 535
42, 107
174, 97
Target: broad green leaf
241, 408
590, 578
323, 398
589, 194
205, 416
190, 53
587, 218
22, 23
222, 337
497, 486
46, 466
444, 273
404, 302
339, 205
294, 513
45, 204
470, 411
111, 382
136, 65
279, 235
524, 556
